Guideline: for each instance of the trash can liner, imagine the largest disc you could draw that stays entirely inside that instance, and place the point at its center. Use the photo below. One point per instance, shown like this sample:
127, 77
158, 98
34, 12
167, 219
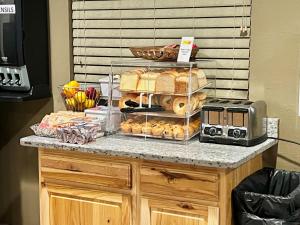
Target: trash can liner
268, 197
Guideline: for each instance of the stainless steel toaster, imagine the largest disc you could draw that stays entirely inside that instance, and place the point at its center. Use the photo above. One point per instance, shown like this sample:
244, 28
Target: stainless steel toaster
234, 122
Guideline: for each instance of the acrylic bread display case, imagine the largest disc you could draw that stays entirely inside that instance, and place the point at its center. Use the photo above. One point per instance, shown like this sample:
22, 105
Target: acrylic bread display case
161, 99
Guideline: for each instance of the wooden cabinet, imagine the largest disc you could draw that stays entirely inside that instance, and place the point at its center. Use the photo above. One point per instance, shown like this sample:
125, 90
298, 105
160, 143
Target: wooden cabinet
166, 212
86, 189
72, 206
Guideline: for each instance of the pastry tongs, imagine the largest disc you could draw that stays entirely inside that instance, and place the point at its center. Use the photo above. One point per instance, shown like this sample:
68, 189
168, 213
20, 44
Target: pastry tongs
140, 107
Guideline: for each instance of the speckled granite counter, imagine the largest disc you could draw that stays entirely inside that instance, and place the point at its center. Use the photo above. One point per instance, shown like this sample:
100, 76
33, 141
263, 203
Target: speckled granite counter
195, 153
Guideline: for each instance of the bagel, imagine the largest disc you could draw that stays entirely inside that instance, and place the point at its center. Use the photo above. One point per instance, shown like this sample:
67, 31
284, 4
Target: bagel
181, 107
166, 102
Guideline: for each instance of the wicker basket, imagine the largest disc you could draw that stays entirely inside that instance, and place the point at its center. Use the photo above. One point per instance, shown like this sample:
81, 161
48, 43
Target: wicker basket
160, 53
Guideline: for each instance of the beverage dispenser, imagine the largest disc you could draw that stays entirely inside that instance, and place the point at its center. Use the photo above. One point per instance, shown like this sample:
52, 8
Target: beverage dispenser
24, 56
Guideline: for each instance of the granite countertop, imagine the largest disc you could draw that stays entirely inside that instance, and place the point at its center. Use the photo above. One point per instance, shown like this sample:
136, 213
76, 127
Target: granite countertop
194, 153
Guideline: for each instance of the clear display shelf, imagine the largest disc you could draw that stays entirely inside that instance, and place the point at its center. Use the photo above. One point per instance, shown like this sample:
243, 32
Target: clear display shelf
167, 114
187, 138
207, 85
168, 94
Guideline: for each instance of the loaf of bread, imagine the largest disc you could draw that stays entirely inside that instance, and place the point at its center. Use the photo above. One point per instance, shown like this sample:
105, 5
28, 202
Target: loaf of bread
186, 83
165, 82
147, 82
202, 81
129, 79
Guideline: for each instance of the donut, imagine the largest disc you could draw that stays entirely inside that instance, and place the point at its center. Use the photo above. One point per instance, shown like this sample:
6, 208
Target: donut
126, 127
144, 99
166, 102
126, 98
178, 132
180, 105
158, 131
136, 128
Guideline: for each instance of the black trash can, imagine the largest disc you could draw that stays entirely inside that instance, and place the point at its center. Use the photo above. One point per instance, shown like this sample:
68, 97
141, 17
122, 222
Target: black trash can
268, 197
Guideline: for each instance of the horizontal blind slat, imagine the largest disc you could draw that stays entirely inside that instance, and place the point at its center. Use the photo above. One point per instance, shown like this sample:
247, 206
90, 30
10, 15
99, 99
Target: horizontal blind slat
203, 53
220, 73
218, 63
163, 13
133, 4
203, 43
159, 33
161, 23
224, 84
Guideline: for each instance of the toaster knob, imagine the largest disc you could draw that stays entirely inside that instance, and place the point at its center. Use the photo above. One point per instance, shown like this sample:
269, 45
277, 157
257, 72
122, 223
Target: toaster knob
237, 133
213, 131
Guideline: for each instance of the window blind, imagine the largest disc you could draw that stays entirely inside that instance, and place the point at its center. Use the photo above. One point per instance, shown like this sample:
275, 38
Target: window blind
104, 30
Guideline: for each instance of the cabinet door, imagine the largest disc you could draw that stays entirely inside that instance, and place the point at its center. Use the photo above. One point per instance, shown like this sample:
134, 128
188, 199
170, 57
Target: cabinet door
166, 212
70, 206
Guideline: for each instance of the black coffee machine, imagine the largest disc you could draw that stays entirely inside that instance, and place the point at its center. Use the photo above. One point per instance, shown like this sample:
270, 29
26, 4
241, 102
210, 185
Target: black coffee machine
24, 55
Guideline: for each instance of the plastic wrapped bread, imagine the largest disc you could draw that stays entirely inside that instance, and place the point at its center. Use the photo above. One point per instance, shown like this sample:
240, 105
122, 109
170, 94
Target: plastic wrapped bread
80, 133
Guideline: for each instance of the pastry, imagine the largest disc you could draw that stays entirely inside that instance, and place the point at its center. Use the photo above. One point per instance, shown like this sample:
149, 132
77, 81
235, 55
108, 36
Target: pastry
136, 128
165, 82
186, 82
147, 129
129, 80
126, 127
166, 102
188, 130
178, 132
181, 106
158, 130
196, 124
168, 132
126, 98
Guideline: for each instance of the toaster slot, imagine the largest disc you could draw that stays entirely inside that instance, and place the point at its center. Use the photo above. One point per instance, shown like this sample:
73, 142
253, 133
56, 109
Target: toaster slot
214, 115
237, 117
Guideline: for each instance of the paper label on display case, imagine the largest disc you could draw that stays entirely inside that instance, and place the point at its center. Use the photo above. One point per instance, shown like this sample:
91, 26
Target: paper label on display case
186, 48
7, 9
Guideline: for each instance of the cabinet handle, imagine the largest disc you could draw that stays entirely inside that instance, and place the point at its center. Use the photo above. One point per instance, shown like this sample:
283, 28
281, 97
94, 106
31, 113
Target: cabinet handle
185, 206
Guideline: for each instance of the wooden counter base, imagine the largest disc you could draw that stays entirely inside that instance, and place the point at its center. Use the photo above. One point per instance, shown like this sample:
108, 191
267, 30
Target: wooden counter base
87, 189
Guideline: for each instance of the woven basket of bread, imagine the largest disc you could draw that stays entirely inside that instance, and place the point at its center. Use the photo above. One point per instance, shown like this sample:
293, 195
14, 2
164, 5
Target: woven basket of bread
160, 53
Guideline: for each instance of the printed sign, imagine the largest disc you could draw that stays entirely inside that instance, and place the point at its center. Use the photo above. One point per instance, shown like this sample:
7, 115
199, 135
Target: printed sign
7, 9
185, 51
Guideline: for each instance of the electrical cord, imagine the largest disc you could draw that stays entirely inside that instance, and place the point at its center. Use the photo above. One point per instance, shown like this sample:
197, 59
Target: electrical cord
285, 140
